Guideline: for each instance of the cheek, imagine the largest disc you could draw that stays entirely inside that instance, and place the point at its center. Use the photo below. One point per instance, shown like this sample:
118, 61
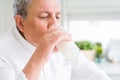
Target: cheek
37, 25
40, 31
34, 30
41, 27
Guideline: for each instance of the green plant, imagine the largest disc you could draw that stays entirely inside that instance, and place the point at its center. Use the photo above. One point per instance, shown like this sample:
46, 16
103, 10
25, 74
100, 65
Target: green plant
85, 45
98, 49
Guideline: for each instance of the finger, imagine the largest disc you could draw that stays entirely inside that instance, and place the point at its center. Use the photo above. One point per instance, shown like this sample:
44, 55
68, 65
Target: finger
56, 31
61, 37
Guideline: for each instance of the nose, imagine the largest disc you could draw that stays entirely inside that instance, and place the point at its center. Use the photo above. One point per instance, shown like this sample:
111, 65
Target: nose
53, 22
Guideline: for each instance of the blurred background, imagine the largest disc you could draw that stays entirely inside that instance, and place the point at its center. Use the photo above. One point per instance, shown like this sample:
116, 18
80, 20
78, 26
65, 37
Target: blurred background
94, 25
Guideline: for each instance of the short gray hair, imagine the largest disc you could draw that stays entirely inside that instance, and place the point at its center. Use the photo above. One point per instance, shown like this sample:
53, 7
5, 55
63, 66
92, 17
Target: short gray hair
20, 7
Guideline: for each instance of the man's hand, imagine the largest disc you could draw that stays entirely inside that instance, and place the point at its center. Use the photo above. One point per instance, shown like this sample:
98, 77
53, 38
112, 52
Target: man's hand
46, 47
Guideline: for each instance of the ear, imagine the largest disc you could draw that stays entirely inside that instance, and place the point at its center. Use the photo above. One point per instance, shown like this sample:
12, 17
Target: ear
19, 22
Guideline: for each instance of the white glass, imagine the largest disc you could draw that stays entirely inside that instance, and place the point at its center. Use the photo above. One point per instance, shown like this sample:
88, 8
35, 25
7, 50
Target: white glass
69, 50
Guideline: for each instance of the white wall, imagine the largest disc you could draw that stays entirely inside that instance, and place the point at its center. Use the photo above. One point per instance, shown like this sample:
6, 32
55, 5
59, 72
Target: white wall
6, 15
92, 9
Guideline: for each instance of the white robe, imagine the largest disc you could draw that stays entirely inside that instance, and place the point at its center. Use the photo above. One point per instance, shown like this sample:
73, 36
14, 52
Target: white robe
15, 52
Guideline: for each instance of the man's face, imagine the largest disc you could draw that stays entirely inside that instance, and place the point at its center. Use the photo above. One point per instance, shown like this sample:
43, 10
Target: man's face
41, 15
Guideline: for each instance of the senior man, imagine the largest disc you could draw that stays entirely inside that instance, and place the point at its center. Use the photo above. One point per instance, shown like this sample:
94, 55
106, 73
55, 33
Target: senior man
28, 51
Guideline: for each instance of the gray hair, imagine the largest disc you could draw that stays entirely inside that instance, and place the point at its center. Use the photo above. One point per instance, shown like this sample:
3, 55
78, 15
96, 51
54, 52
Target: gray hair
20, 7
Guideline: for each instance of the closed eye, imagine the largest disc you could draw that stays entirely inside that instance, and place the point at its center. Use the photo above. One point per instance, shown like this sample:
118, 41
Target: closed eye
58, 17
43, 17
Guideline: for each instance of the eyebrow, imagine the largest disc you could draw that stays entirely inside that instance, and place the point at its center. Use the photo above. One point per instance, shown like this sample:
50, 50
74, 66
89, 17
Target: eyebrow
47, 12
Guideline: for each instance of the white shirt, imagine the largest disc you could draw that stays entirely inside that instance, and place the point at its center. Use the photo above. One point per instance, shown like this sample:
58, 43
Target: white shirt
15, 52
